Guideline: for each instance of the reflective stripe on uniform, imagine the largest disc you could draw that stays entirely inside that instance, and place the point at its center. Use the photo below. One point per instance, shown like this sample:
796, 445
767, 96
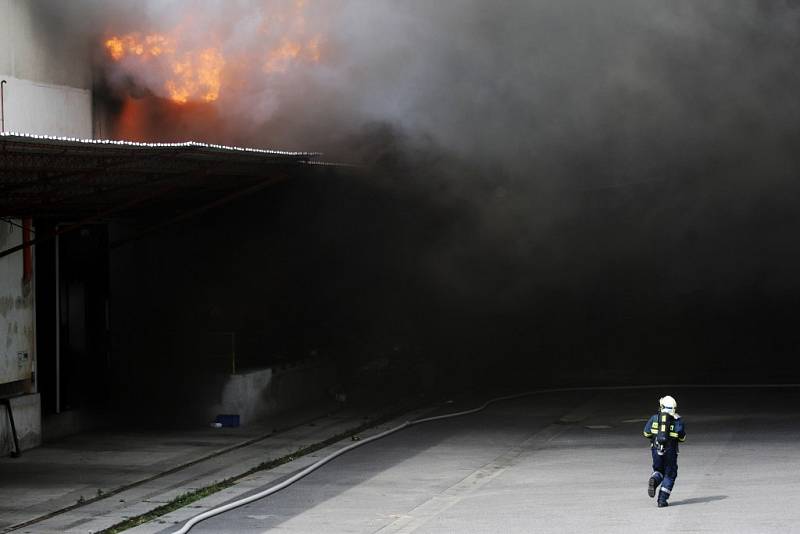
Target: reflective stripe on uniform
673, 434
665, 490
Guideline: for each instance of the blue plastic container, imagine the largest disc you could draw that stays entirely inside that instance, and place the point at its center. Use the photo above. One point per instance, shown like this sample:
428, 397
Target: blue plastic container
229, 420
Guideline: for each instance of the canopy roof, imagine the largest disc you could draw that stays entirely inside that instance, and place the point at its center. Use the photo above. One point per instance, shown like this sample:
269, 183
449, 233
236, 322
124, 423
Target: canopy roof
58, 177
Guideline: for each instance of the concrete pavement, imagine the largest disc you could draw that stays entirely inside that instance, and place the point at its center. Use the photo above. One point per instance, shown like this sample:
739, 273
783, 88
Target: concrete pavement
87, 483
560, 462
568, 462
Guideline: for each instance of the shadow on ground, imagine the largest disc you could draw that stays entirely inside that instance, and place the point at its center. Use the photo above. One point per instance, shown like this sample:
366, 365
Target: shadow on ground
699, 500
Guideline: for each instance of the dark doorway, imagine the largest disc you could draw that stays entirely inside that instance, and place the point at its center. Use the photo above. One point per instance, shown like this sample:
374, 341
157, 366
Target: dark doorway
71, 318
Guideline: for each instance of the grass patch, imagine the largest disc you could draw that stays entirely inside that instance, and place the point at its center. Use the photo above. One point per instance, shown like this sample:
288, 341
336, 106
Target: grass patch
193, 496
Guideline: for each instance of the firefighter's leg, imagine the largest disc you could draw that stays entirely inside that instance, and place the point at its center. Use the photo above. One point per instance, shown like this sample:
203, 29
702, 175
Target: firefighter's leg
658, 473
670, 474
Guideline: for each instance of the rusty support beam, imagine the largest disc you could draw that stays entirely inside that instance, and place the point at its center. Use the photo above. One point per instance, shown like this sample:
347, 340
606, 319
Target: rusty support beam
89, 220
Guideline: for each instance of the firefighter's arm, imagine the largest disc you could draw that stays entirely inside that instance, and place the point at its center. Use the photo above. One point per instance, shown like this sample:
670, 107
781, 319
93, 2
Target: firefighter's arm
681, 430
647, 427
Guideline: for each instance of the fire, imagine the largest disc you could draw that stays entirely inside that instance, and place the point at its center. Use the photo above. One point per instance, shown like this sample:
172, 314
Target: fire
197, 77
278, 60
289, 52
134, 44
189, 75
295, 46
185, 70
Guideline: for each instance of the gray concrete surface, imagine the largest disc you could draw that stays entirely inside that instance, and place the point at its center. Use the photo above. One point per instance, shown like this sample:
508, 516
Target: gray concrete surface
258, 393
138, 471
27, 420
569, 462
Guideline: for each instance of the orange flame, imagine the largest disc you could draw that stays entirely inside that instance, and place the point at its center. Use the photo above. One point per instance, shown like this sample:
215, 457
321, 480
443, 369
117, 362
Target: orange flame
278, 60
190, 75
134, 44
195, 74
197, 77
298, 48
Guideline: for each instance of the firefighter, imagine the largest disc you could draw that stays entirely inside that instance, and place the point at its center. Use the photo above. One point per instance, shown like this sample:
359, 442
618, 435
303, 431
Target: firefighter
665, 430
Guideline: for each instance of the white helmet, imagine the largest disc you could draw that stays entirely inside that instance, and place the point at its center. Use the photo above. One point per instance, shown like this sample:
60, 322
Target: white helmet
668, 405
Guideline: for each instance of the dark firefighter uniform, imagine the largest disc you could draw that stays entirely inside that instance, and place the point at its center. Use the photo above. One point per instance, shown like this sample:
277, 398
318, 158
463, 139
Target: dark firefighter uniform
665, 432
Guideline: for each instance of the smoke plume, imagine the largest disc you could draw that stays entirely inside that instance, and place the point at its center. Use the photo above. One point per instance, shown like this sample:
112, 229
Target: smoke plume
519, 112
605, 166
548, 94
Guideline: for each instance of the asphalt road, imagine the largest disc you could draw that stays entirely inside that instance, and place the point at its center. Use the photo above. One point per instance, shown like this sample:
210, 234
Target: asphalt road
567, 462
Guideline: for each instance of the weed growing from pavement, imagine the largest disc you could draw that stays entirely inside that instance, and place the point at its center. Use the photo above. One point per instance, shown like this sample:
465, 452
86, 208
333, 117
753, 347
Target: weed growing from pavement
193, 496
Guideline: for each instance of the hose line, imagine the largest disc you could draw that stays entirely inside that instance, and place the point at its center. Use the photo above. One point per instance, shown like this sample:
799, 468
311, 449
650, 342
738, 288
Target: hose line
313, 467
319, 463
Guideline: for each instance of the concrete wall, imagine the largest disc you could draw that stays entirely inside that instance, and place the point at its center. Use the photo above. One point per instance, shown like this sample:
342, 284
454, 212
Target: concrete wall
260, 393
27, 411
45, 44
16, 311
17, 347
46, 59
43, 109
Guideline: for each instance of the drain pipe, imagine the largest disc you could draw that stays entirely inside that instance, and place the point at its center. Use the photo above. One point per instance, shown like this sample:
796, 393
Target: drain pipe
2, 106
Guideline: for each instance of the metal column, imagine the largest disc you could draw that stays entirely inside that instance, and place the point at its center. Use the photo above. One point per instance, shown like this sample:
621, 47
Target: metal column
58, 323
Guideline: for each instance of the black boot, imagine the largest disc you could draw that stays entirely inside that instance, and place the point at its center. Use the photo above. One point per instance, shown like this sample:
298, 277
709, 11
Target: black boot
652, 484
662, 504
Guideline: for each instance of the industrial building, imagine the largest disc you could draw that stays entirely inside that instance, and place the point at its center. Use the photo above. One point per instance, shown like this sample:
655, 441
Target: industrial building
164, 279
525, 226
63, 188
44, 93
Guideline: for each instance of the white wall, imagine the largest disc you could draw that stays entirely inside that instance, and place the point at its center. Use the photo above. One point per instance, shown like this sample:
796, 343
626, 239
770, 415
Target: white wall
38, 108
16, 311
45, 56
46, 41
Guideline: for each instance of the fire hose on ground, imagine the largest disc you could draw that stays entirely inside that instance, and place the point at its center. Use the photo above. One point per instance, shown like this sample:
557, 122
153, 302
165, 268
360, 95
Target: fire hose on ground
316, 465
319, 463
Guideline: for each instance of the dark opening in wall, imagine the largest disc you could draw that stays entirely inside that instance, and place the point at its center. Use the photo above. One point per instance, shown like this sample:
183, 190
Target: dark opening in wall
71, 318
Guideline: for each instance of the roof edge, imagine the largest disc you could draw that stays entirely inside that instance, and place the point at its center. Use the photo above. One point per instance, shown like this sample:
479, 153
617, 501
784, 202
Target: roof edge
138, 144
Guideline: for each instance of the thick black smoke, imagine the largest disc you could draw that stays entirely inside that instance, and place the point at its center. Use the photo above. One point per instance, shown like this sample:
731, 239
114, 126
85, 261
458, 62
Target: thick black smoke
518, 85
531, 98
582, 189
